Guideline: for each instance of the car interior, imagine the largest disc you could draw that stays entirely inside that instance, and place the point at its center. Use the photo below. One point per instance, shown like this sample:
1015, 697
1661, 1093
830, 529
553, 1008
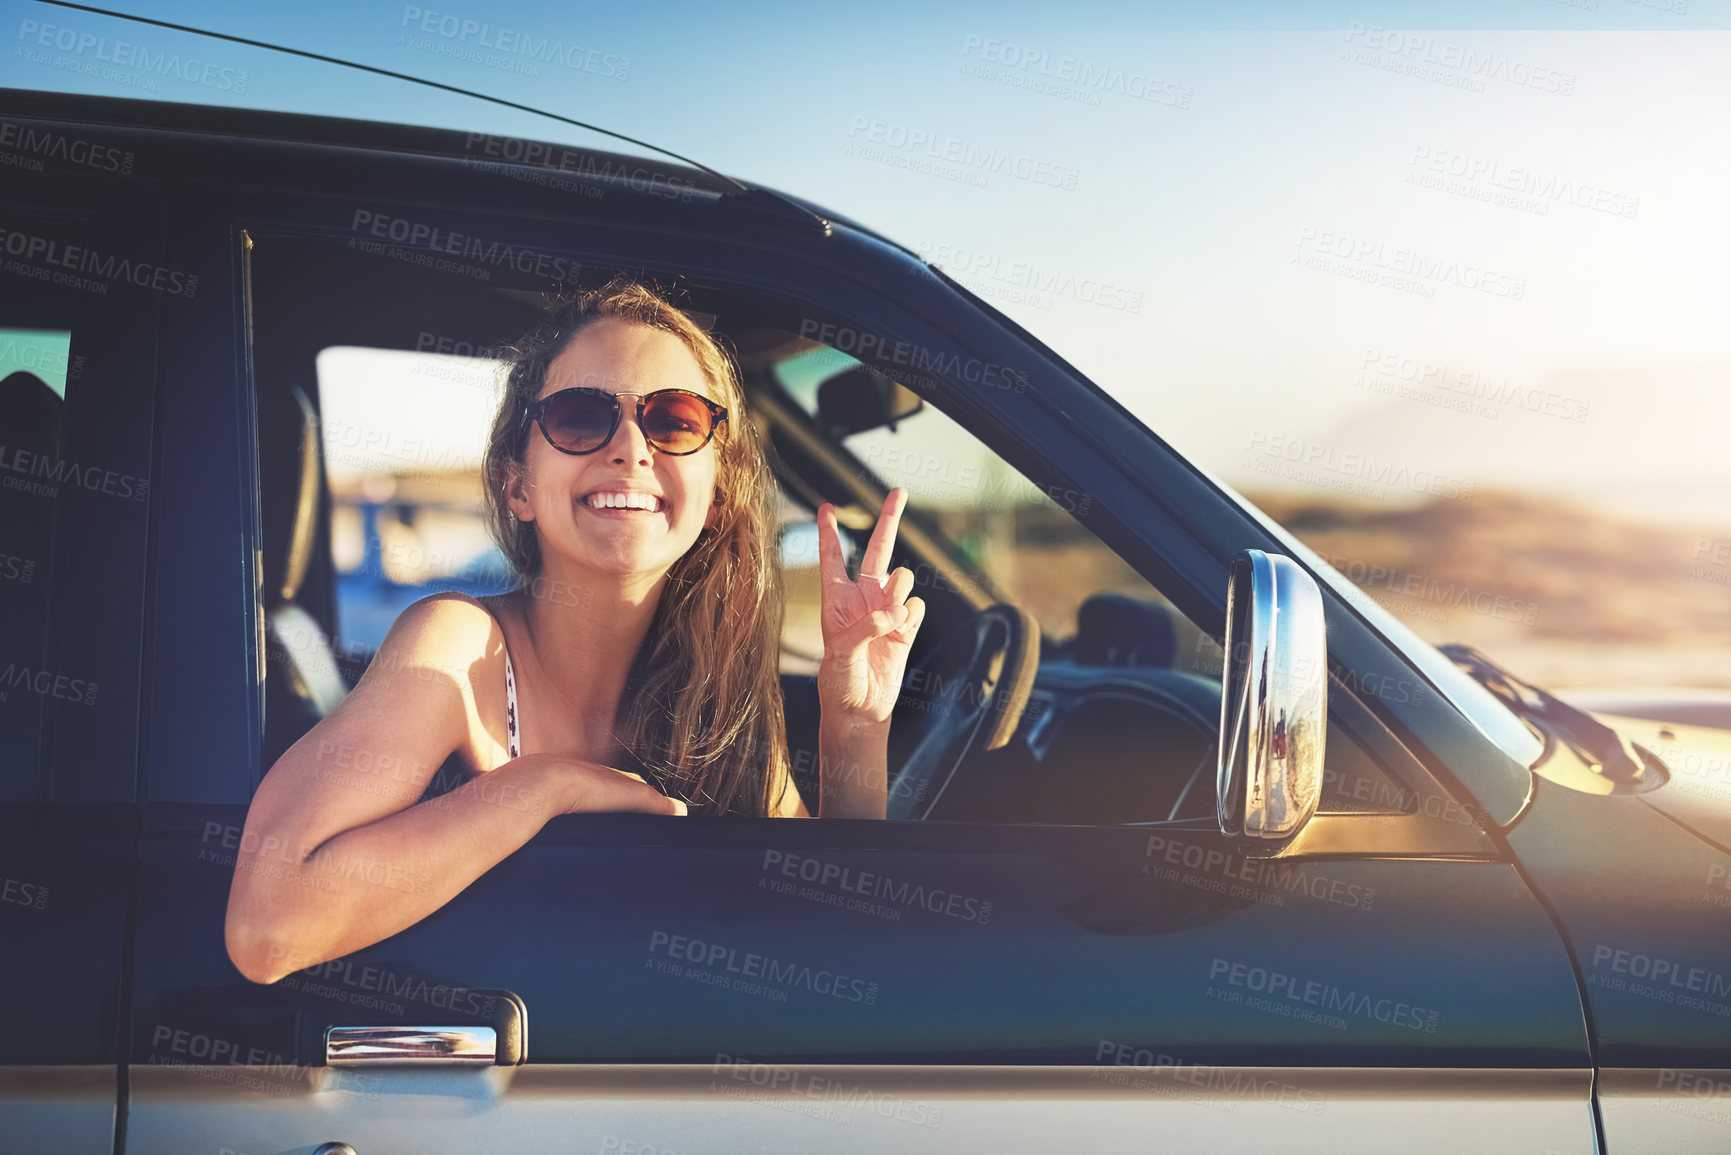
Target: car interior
1103, 713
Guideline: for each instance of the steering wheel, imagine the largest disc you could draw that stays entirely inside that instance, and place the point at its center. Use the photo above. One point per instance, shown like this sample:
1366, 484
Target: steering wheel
978, 677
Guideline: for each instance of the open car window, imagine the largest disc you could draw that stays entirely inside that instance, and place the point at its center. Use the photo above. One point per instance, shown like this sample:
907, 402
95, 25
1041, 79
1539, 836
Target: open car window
1026, 543
377, 382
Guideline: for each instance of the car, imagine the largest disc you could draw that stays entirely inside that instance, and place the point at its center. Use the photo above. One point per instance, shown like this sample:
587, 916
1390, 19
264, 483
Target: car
1191, 846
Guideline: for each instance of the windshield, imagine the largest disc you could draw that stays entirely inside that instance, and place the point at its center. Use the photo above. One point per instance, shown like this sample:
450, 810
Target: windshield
1480, 707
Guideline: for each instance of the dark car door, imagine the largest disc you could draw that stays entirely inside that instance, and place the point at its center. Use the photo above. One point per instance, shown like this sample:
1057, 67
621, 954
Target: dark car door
768, 985
81, 285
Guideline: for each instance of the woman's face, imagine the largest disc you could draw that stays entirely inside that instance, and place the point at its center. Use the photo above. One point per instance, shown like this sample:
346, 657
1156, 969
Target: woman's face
559, 491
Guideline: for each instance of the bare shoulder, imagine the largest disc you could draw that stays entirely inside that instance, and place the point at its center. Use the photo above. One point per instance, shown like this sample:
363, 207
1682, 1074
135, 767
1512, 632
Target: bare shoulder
445, 633
450, 615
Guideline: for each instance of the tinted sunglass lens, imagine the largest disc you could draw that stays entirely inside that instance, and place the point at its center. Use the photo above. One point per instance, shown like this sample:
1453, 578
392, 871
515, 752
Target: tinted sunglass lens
579, 422
676, 422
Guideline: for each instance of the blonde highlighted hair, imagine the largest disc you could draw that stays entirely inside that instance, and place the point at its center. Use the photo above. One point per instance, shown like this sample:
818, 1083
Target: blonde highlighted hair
702, 707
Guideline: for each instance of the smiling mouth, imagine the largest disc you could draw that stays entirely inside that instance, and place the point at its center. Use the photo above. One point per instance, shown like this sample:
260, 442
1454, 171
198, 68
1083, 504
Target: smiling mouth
623, 502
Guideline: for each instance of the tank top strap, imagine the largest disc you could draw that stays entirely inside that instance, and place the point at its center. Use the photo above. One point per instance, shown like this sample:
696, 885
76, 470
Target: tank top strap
513, 745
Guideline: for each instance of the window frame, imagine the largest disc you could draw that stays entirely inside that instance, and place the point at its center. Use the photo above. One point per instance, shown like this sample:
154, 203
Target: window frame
113, 360
1036, 431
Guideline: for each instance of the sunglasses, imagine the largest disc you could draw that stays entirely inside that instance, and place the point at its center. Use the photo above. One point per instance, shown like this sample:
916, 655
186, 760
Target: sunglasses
582, 420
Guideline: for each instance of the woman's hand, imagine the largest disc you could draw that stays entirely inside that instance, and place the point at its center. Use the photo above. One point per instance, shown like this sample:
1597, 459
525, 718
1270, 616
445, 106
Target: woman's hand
587, 787
869, 622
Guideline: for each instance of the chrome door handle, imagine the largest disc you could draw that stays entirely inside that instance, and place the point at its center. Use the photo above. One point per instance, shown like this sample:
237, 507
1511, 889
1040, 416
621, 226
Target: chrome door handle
467, 1046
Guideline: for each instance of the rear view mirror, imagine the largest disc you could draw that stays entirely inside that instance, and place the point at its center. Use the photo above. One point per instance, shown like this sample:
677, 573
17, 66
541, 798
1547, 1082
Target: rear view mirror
1273, 702
859, 399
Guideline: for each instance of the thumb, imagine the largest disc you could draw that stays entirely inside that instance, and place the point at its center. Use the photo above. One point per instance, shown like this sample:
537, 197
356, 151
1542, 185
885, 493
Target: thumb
873, 625
610, 789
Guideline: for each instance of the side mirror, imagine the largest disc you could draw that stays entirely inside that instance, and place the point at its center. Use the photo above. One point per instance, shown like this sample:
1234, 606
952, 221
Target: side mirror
859, 399
1273, 702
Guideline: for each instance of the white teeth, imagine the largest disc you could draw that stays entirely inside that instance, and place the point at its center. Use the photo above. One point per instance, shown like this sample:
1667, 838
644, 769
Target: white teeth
644, 501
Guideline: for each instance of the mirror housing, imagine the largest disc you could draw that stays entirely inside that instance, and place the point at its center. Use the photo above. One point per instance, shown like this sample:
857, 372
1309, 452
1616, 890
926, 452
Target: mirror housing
1273, 702
859, 399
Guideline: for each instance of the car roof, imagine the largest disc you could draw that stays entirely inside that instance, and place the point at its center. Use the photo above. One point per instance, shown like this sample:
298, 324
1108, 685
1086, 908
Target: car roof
383, 136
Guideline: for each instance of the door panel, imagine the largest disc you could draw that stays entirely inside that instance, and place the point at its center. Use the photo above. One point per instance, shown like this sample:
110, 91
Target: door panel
872, 950
1652, 947
1030, 945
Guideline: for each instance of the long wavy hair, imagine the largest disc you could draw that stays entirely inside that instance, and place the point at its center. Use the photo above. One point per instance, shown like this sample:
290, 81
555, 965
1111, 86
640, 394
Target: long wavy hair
702, 707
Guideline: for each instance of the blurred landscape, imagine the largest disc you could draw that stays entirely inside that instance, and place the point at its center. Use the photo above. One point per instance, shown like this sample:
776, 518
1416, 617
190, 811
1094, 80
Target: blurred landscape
1559, 595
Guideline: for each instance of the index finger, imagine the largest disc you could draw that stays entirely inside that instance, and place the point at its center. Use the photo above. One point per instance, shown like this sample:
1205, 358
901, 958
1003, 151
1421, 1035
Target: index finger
883, 542
831, 563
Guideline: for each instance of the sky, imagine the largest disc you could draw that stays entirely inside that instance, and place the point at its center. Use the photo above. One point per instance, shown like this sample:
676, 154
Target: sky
1314, 245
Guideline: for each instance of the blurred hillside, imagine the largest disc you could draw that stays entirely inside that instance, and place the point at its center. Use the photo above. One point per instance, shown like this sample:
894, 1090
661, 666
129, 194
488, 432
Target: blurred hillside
1560, 595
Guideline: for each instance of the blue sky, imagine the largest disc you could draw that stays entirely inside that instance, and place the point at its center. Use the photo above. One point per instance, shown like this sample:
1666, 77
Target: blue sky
1483, 240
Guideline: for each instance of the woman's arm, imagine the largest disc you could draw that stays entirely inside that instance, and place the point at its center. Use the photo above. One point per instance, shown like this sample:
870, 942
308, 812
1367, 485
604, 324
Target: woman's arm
855, 762
869, 623
336, 854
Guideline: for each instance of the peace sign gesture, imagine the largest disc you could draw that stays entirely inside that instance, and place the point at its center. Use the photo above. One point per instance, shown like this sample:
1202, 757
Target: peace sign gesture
869, 622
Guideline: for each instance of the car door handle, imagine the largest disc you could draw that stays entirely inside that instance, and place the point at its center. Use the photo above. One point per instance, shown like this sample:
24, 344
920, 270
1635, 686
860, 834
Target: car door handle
468, 1046
491, 1029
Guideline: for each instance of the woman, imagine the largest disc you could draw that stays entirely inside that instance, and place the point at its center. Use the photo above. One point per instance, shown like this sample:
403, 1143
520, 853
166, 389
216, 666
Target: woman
631, 495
